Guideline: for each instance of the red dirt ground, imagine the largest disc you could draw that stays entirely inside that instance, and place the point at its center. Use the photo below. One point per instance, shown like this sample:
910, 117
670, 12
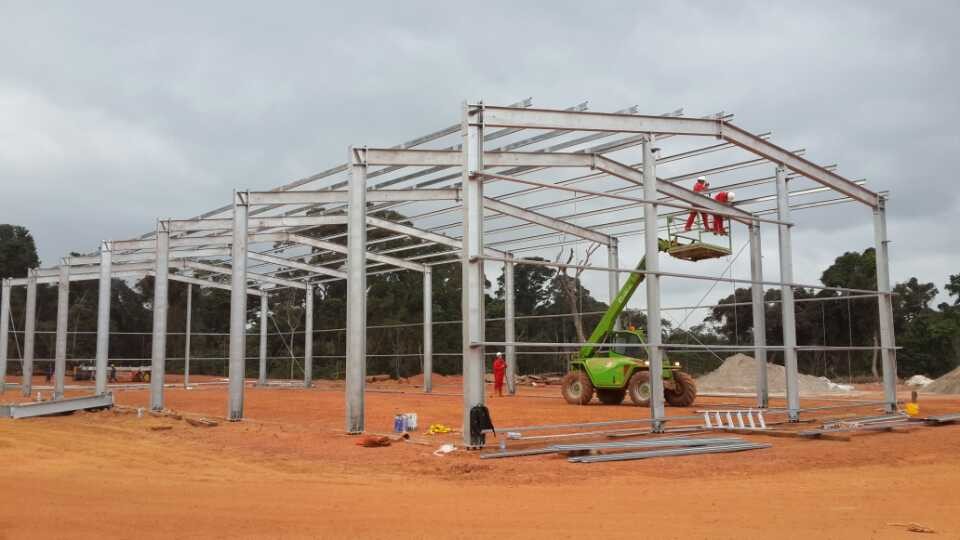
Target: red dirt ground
287, 471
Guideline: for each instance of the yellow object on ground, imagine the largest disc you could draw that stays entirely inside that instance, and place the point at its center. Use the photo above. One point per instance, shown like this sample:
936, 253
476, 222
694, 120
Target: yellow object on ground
435, 429
912, 409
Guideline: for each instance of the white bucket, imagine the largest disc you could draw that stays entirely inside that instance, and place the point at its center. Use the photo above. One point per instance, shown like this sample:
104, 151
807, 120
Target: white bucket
411, 421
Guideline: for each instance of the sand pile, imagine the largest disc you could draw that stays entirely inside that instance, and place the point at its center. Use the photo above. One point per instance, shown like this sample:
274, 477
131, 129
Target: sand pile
738, 373
948, 384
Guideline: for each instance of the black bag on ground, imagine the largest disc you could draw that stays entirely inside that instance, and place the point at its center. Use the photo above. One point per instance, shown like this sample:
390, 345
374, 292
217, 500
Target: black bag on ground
479, 421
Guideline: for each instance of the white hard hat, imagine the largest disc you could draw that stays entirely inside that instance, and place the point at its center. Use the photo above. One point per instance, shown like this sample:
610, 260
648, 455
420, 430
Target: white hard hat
499, 354
731, 196
701, 179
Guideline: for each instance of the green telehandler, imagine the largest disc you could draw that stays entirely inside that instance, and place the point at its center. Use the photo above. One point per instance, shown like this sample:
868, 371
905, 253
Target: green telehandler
615, 363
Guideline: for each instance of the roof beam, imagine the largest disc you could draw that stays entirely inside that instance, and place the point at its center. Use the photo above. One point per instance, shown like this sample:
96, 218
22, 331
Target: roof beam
339, 196
546, 221
593, 121
340, 248
298, 265
225, 270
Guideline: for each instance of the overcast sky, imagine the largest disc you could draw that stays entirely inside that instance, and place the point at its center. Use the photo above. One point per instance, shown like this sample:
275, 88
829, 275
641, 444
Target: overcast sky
115, 113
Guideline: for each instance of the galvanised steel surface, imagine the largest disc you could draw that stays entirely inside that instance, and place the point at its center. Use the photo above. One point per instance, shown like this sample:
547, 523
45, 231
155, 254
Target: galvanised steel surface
509, 326
264, 322
4, 328
356, 337
652, 242
759, 314
238, 308
29, 335
428, 330
103, 317
188, 329
787, 310
161, 298
63, 312
308, 338
888, 353
628, 456
59, 406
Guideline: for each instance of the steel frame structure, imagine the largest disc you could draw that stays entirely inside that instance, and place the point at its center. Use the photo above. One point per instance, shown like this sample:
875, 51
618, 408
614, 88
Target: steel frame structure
259, 239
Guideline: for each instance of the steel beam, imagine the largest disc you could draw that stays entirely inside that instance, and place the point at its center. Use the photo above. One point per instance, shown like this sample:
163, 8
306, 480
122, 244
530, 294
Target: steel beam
149, 256
888, 352
652, 241
510, 325
546, 221
60, 406
356, 368
161, 299
264, 319
5, 289
207, 283
428, 330
103, 318
225, 270
63, 316
308, 337
279, 261
786, 293
776, 154
329, 196
613, 278
759, 315
238, 306
213, 224
591, 121
473, 280
188, 328
29, 334
340, 248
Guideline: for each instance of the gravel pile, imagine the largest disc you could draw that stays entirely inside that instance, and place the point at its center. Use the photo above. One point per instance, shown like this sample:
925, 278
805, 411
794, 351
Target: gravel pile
948, 384
738, 374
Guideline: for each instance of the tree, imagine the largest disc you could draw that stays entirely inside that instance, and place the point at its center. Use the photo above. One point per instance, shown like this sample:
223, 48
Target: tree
18, 252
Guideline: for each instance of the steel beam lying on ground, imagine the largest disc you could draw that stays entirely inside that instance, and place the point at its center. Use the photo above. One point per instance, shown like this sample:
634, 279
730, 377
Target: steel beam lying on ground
629, 456
60, 406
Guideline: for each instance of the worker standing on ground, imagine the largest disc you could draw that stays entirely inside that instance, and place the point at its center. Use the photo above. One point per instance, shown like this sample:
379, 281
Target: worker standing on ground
725, 197
499, 371
701, 185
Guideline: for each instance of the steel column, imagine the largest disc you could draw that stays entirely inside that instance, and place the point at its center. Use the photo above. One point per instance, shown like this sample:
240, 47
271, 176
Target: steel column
654, 337
786, 293
186, 336
473, 281
160, 304
264, 320
103, 318
613, 278
4, 328
356, 368
29, 334
759, 315
238, 306
308, 338
428, 330
510, 325
63, 315
888, 352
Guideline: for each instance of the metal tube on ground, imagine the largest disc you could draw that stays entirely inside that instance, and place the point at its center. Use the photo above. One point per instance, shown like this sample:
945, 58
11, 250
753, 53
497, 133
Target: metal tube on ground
238, 307
428, 330
669, 452
160, 306
103, 318
356, 368
510, 327
786, 296
759, 315
29, 334
654, 337
63, 314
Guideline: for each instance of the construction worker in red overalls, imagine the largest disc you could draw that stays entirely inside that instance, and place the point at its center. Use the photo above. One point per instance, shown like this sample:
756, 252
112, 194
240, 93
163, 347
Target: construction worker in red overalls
701, 185
725, 197
499, 371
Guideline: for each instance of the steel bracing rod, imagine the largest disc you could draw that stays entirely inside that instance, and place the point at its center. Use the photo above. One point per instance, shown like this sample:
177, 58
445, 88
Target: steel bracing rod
588, 121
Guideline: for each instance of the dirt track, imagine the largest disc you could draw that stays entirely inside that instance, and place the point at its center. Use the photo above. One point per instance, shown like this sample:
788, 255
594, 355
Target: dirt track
289, 472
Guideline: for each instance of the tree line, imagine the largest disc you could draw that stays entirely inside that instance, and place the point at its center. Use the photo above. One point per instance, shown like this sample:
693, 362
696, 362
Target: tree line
548, 304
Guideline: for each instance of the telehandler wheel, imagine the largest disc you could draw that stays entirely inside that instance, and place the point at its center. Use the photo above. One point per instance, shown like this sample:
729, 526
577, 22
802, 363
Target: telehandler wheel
684, 392
639, 388
577, 388
609, 396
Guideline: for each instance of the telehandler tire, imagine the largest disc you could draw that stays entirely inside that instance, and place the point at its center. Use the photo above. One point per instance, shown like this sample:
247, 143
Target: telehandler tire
684, 391
577, 388
639, 388
609, 396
